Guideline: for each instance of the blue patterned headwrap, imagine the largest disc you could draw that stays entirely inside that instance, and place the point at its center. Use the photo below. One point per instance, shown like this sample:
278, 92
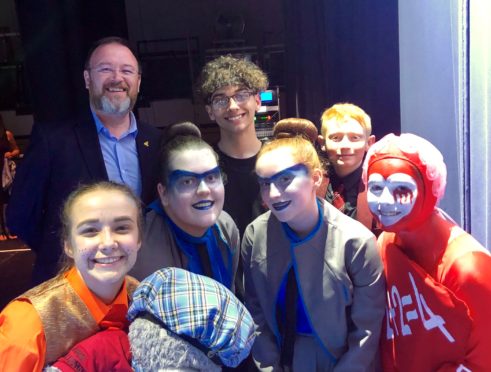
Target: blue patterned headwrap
199, 308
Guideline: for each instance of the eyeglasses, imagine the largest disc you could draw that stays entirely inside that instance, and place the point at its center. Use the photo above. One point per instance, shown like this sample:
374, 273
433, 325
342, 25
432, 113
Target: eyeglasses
185, 181
283, 178
107, 70
222, 101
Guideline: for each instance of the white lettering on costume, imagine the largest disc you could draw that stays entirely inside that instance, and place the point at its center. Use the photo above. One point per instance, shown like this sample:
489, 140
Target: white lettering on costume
396, 299
389, 318
395, 311
434, 321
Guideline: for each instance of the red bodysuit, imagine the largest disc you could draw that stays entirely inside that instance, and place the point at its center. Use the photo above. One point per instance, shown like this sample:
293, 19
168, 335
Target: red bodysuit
437, 323
438, 276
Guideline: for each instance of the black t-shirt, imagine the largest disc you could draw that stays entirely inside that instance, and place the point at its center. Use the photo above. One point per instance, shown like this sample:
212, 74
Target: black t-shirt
351, 185
242, 198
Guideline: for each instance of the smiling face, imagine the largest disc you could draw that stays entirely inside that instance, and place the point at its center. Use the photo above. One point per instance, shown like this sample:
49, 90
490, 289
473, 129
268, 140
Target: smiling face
113, 79
391, 199
194, 195
103, 239
395, 194
288, 188
345, 143
235, 118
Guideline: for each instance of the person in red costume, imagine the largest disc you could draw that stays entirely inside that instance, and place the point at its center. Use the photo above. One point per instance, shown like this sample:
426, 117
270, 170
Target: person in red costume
438, 276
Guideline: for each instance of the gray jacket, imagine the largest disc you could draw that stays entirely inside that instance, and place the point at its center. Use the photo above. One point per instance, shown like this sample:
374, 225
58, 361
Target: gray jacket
340, 281
159, 248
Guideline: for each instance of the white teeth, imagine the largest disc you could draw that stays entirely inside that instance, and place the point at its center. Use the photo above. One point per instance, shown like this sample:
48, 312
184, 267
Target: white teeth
203, 204
116, 89
235, 117
106, 260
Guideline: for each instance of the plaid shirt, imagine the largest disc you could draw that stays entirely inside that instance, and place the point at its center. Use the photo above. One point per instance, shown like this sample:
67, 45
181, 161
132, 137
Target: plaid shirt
197, 307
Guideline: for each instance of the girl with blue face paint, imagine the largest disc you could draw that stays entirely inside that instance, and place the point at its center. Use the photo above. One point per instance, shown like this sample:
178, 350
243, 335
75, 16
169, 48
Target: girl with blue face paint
313, 278
186, 227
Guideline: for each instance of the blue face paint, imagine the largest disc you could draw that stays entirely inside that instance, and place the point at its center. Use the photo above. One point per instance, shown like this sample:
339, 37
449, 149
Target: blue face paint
185, 181
283, 178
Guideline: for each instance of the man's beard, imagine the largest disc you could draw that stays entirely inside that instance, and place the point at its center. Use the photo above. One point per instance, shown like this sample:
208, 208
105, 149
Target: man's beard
112, 107
115, 107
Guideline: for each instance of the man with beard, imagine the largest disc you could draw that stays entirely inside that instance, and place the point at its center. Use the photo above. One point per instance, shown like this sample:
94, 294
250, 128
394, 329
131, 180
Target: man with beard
106, 143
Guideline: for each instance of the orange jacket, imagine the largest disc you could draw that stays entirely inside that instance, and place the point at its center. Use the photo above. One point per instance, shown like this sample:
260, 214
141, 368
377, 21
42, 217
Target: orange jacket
22, 337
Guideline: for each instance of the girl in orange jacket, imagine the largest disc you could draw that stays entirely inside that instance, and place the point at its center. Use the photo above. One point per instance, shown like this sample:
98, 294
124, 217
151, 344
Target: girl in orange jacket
101, 235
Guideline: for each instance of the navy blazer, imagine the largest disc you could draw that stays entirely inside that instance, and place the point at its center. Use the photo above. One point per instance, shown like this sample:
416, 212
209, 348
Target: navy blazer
60, 157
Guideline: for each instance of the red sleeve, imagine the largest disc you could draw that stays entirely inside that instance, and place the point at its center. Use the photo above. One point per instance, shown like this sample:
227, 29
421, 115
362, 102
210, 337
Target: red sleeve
470, 279
108, 350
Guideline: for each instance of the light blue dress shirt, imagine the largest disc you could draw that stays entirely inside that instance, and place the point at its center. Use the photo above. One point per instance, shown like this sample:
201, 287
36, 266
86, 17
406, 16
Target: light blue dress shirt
120, 155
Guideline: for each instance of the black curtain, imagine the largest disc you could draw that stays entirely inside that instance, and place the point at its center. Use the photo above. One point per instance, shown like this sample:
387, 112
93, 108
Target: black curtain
56, 35
343, 51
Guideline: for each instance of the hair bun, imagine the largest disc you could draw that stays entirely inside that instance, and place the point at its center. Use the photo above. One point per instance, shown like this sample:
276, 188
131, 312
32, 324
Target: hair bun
185, 128
291, 127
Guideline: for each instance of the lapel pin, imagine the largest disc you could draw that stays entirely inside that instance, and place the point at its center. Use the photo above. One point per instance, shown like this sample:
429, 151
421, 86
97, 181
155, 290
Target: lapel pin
146, 144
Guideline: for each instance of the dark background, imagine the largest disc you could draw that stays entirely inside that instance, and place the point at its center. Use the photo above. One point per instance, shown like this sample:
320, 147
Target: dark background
325, 51
317, 52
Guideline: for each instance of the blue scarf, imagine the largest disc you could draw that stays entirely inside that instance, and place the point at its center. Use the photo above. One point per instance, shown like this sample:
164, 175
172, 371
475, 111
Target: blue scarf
303, 325
189, 245
292, 235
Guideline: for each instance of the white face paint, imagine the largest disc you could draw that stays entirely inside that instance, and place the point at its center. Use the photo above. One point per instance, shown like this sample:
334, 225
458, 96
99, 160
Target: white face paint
393, 198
